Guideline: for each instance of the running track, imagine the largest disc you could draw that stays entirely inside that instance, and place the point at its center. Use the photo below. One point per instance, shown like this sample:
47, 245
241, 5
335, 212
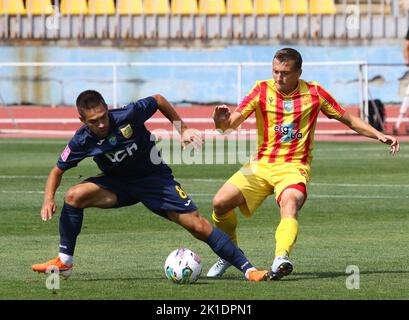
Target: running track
48, 122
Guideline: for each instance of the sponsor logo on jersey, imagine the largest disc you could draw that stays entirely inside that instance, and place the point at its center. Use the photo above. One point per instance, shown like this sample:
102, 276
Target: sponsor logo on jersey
288, 132
120, 155
126, 131
112, 139
65, 153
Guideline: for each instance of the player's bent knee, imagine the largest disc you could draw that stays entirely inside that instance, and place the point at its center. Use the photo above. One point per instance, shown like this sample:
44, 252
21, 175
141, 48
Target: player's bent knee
220, 205
73, 197
200, 228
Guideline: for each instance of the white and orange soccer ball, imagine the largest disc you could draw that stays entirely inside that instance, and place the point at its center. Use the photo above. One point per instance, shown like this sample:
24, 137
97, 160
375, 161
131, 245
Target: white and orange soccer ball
183, 266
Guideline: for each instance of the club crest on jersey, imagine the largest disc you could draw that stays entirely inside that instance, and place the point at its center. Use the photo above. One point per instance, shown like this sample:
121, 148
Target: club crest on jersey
112, 139
288, 105
127, 131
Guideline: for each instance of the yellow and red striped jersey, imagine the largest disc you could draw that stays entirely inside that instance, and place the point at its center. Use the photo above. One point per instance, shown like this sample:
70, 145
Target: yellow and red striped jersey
286, 123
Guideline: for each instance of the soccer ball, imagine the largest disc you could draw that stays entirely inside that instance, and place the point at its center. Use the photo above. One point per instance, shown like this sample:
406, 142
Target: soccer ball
183, 266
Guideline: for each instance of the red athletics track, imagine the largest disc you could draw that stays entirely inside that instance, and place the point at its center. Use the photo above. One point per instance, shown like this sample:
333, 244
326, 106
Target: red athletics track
63, 121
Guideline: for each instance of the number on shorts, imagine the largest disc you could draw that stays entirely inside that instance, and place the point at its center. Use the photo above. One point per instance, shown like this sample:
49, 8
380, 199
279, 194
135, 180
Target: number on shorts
182, 194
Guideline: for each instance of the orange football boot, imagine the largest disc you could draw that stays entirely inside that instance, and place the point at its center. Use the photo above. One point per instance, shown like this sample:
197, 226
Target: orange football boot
257, 275
47, 267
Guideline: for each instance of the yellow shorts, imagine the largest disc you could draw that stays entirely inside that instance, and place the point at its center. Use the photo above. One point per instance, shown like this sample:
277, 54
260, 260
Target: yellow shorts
258, 181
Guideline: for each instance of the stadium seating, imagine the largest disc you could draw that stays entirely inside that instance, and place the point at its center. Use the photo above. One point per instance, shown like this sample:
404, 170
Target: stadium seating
74, 7
212, 7
322, 7
101, 7
237, 7
267, 7
159, 7
184, 7
38, 7
294, 7
129, 6
13, 7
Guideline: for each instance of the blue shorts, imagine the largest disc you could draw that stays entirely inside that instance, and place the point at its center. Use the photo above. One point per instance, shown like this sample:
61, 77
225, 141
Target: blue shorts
159, 193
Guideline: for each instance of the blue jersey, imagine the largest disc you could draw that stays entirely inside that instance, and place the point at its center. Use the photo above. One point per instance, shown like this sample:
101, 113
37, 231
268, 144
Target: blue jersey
127, 149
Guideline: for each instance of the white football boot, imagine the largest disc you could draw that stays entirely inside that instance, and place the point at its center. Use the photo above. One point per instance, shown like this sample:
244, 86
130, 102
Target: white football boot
218, 268
281, 267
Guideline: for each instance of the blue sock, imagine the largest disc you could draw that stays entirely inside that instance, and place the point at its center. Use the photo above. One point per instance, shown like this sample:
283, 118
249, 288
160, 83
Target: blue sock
70, 227
222, 245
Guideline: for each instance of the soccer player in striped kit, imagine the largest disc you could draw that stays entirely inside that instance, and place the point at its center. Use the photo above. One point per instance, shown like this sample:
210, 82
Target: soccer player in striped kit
286, 109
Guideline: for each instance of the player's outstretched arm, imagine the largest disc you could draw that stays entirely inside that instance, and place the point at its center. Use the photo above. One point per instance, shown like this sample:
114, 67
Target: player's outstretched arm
187, 135
53, 181
225, 120
365, 129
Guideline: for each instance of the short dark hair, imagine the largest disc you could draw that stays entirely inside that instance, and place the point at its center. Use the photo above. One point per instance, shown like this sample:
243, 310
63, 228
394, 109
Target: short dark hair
291, 54
89, 99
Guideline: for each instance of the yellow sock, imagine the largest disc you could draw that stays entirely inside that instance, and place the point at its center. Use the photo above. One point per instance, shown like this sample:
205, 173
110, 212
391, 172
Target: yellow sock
286, 235
227, 223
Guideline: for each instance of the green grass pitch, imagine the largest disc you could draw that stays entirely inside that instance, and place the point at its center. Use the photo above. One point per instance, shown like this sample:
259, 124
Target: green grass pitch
357, 214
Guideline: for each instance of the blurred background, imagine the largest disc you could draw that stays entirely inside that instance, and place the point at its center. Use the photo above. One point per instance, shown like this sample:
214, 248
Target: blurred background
196, 53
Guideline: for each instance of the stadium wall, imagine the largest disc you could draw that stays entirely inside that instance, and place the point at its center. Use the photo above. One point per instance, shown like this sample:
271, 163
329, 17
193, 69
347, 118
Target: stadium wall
61, 85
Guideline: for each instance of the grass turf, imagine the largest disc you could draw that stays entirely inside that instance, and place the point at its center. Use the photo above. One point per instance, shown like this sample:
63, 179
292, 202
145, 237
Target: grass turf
356, 214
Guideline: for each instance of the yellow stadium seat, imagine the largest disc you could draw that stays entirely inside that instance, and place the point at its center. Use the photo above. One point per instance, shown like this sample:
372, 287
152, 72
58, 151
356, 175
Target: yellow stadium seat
129, 6
73, 7
184, 7
156, 6
267, 7
239, 7
12, 7
99, 7
212, 7
322, 7
38, 7
294, 7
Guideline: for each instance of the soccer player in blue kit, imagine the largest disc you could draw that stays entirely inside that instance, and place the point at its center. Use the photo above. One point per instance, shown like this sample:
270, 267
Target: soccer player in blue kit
122, 147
